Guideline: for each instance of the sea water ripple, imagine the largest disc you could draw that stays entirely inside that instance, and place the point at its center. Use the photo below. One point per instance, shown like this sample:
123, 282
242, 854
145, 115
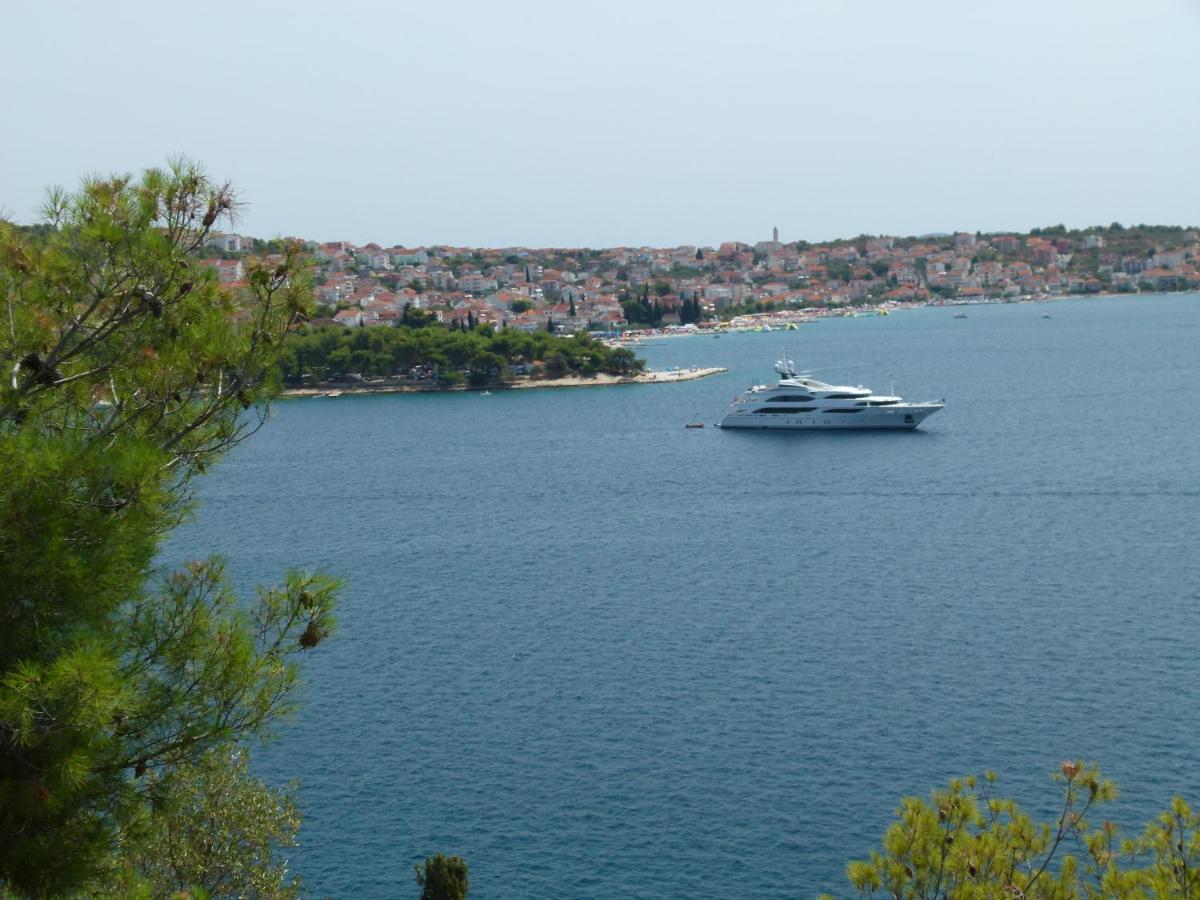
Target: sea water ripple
602, 655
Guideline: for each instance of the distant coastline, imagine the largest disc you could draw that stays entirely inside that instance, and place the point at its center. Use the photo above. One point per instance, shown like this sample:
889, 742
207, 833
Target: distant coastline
789, 319
437, 318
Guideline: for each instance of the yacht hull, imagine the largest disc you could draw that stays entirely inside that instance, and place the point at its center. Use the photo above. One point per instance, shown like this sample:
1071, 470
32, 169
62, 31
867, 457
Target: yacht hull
895, 418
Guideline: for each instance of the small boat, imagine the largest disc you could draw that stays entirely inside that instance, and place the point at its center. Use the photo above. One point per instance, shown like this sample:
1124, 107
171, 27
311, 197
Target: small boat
334, 394
960, 315
694, 425
485, 393
1045, 315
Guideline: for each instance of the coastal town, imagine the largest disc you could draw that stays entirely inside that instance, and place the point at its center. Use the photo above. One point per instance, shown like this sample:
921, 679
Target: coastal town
610, 290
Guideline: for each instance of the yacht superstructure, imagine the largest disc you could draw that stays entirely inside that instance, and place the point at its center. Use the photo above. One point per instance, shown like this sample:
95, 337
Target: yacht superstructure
800, 401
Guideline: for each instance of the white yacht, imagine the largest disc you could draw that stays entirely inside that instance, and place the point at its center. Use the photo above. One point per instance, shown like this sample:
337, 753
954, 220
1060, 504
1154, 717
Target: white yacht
799, 401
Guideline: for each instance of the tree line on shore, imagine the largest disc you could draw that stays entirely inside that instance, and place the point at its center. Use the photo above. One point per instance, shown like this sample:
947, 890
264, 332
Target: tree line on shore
131, 695
433, 353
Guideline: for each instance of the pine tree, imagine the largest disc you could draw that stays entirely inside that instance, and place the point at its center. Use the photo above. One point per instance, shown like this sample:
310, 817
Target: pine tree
443, 878
134, 371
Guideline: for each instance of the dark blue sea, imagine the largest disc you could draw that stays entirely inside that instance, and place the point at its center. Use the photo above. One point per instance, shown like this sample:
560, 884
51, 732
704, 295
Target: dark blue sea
601, 655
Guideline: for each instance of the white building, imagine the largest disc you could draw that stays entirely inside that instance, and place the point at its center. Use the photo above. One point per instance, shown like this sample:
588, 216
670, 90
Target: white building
228, 243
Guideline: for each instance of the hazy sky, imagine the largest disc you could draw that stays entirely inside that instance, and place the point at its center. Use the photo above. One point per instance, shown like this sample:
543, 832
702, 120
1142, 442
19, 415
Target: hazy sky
602, 123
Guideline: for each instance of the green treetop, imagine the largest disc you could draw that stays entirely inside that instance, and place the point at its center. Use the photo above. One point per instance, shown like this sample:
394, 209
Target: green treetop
964, 842
443, 878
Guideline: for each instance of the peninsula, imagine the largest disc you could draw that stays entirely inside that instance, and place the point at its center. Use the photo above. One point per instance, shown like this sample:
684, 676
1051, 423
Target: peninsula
422, 354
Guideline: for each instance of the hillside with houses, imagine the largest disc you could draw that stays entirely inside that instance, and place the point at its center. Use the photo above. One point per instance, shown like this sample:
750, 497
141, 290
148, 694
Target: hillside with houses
569, 290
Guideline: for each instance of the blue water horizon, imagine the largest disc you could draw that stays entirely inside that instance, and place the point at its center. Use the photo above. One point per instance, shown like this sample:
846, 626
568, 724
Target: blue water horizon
599, 654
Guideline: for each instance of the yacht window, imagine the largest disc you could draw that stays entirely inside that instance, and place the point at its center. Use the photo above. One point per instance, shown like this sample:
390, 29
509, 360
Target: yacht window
884, 402
784, 409
841, 396
844, 409
789, 398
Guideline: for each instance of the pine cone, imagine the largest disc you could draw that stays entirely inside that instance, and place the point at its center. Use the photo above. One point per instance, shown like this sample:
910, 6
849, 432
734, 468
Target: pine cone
311, 636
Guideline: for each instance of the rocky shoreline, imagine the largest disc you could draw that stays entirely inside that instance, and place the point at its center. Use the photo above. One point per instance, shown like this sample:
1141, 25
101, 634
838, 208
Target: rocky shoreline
667, 377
